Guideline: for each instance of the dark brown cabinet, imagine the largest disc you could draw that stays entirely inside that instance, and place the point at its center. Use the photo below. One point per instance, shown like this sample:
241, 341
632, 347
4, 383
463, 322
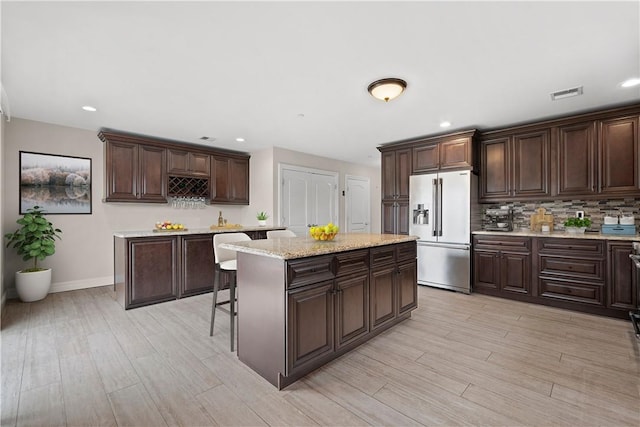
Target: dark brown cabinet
352, 308
516, 166
576, 160
396, 169
454, 151
189, 163
395, 217
502, 265
134, 173
152, 270
196, 272
230, 180
621, 279
620, 151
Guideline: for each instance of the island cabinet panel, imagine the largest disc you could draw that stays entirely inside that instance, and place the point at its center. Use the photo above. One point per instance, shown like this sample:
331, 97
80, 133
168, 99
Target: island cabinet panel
383, 295
620, 165
407, 290
153, 270
352, 307
621, 277
576, 159
310, 324
197, 273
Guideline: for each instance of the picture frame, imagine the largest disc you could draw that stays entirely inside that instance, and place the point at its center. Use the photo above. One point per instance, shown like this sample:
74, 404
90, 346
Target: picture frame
57, 183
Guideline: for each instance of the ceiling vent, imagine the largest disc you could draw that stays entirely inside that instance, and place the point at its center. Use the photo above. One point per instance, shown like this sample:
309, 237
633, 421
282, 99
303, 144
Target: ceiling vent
566, 93
207, 138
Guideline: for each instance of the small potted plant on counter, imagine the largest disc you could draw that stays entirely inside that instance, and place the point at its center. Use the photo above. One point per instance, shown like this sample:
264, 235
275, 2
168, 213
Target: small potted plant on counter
34, 240
577, 225
262, 218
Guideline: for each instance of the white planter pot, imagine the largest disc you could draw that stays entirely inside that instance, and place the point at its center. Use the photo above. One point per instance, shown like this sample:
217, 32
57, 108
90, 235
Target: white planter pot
575, 230
262, 222
33, 286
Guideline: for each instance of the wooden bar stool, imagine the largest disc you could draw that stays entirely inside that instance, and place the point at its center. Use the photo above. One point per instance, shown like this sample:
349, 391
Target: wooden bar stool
225, 261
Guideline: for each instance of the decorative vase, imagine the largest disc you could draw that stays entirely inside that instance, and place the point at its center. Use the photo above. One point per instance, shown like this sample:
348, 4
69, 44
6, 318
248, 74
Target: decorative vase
33, 286
262, 222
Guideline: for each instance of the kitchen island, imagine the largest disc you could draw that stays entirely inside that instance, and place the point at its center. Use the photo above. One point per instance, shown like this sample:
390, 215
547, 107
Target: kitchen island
302, 303
157, 266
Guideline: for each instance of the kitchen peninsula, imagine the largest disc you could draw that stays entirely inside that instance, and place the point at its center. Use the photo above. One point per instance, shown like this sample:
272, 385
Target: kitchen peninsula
302, 303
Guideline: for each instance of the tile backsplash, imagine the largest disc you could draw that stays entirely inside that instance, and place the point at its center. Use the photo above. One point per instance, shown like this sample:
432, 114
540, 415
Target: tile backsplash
562, 209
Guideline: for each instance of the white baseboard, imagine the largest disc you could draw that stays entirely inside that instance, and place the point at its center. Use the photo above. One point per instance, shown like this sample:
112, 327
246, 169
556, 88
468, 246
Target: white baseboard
68, 286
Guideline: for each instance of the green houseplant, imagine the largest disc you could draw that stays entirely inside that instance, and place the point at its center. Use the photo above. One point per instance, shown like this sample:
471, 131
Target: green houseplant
262, 218
577, 225
34, 241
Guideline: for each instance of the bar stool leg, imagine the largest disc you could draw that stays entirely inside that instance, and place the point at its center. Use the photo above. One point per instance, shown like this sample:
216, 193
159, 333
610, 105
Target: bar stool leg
232, 308
216, 286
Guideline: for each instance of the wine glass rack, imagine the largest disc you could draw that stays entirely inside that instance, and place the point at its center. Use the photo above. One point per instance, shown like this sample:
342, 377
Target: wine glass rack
182, 186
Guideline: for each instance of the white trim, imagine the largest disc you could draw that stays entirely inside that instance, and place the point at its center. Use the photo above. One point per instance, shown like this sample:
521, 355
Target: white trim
336, 175
73, 285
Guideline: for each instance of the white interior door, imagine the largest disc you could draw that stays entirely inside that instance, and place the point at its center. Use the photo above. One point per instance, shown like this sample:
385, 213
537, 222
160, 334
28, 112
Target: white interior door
357, 204
307, 197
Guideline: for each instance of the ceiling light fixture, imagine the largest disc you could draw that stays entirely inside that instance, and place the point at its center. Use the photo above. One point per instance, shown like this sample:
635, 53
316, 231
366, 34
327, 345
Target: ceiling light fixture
89, 108
631, 82
387, 89
445, 124
240, 139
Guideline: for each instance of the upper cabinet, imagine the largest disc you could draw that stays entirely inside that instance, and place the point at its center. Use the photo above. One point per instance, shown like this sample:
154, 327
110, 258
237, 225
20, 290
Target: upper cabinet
396, 169
230, 180
593, 155
143, 169
455, 151
135, 173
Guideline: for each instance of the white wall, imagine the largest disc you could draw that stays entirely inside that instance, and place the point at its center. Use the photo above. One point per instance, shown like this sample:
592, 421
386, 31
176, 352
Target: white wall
84, 256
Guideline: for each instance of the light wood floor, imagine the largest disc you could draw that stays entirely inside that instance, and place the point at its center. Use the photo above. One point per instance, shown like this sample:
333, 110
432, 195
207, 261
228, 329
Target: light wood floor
77, 359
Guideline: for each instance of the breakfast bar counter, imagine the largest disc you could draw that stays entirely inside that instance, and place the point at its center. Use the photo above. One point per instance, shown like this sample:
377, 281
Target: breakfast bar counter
302, 302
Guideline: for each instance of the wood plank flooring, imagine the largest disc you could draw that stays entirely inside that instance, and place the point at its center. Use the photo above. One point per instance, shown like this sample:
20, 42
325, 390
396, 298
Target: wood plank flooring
78, 359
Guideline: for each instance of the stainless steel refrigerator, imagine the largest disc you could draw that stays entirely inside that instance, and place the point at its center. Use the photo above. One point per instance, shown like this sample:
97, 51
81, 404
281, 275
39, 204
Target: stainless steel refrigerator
440, 215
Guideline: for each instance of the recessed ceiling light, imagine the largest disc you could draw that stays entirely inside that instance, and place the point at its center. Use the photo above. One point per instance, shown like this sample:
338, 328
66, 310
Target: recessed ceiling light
239, 139
89, 108
445, 124
631, 82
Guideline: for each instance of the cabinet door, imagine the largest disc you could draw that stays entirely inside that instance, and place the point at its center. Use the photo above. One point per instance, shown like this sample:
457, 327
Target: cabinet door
239, 181
486, 270
621, 277
152, 176
620, 156
531, 159
495, 173
403, 171
388, 175
199, 164
382, 295
426, 158
402, 217
121, 164
177, 161
220, 191
352, 308
456, 153
515, 271
407, 287
197, 264
389, 217
310, 325
576, 160
152, 272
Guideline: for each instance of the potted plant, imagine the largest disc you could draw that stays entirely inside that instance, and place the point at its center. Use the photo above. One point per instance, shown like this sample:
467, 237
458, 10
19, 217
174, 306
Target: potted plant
577, 225
262, 218
34, 240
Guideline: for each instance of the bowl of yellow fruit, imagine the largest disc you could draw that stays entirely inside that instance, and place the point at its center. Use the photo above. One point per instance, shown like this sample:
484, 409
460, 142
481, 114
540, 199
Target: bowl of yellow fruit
168, 226
324, 232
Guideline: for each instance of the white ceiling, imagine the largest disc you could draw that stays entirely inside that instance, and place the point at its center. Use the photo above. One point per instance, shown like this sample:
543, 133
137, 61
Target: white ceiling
294, 74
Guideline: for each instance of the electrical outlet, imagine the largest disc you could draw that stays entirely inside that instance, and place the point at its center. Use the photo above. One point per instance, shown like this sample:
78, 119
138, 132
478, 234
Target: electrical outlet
580, 214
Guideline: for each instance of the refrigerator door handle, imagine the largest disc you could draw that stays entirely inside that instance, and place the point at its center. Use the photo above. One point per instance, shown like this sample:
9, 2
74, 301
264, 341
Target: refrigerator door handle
434, 204
439, 206
445, 245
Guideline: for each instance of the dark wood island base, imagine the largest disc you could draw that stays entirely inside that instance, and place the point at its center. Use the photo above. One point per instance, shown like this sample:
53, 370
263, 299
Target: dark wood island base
297, 314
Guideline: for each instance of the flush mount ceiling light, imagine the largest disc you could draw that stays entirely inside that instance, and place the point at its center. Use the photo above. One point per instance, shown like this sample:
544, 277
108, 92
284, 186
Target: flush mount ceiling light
239, 139
630, 83
445, 124
89, 108
387, 89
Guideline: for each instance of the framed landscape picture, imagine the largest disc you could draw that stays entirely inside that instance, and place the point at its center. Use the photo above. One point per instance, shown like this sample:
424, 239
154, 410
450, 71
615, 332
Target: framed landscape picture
58, 184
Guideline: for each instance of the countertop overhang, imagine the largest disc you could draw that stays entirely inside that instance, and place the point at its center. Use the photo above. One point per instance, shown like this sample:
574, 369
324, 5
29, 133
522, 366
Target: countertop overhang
214, 230
560, 234
303, 247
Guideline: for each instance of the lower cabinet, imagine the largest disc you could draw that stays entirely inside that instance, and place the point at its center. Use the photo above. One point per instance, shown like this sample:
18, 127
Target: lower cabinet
152, 272
589, 275
196, 256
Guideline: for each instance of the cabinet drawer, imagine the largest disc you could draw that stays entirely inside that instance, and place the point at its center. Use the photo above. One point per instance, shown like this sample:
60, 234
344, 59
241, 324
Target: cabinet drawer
406, 251
589, 293
382, 255
520, 244
592, 269
309, 270
571, 246
352, 262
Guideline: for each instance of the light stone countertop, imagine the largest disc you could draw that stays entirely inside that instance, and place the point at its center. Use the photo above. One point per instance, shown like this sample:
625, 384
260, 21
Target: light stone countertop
210, 230
302, 247
560, 234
